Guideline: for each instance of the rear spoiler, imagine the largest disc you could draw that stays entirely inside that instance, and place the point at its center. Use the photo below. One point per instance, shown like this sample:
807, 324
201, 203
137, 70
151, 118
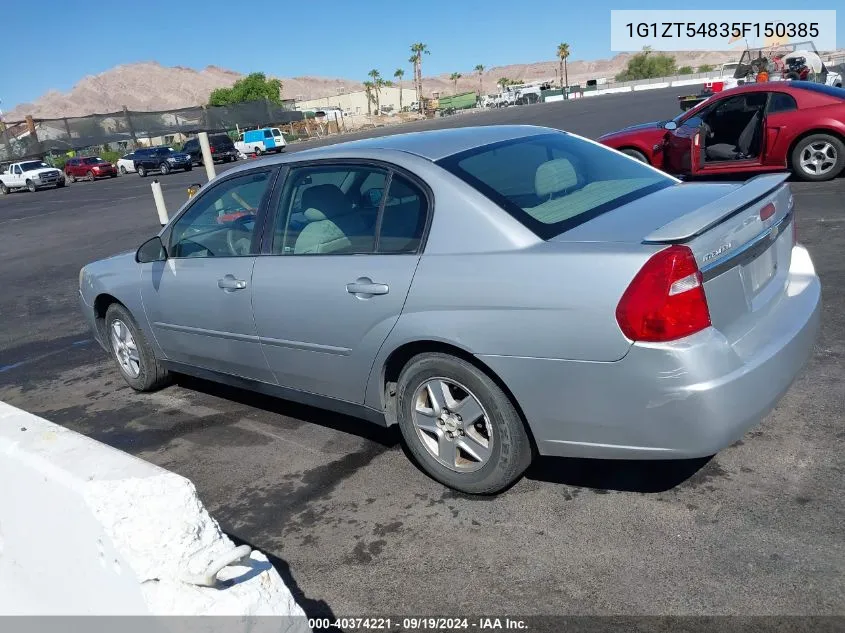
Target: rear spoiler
706, 217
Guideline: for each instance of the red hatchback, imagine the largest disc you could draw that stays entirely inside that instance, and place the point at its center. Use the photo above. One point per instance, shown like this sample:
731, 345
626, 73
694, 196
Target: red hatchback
89, 168
759, 127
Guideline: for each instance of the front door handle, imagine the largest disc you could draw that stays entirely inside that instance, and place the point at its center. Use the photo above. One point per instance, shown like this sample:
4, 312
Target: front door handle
364, 288
229, 283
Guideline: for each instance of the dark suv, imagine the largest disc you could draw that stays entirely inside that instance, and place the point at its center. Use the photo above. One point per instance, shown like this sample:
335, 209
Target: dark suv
162, 159
222, 149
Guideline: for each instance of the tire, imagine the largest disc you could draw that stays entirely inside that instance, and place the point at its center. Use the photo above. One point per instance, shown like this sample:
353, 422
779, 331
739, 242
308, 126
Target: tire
164, 168
4, 190
151, 375
31, 186
90, 176
257, 150
142, 171
635, 154
122, 170
818, 157
60, 184
508, 449
113, 175
70, 177
189, 168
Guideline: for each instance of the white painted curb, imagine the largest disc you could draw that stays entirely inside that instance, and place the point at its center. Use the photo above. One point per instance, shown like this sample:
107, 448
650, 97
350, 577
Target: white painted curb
689, 82
661, 84
86, 529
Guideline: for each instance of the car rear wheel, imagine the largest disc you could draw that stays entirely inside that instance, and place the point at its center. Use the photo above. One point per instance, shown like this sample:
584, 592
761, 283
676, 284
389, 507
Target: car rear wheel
164, 168
31, 186
633, 153
90, 176
459, 425
133, 354
4, 189
818, 157
142, 171
257, 150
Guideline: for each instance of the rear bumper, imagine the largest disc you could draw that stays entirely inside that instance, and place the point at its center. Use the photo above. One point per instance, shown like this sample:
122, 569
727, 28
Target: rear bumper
690, 398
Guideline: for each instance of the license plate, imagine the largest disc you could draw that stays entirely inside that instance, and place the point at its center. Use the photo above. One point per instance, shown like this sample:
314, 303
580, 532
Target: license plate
761, 270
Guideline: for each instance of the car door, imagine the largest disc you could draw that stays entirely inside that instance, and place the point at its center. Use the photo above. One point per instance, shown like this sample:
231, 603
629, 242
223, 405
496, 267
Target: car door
340, 259
18, 179
199, 300
779, 125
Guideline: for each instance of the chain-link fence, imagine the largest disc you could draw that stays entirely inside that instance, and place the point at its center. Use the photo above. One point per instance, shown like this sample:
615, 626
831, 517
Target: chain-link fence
36, 137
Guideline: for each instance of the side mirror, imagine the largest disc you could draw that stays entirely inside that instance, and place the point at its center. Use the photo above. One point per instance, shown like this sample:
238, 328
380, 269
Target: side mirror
670, 125
151, 251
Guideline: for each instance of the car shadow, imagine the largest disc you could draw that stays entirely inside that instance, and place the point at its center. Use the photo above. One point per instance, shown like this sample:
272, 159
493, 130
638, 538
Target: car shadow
387, 437
621, 475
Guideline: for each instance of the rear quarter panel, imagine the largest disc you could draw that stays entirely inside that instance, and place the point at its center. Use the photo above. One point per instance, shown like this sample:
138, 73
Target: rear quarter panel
785, 128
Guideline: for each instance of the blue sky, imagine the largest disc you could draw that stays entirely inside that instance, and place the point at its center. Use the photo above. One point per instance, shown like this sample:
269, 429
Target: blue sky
331, 38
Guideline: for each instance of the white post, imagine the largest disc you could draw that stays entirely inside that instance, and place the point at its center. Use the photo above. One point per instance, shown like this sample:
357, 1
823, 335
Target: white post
159, 200
207, 160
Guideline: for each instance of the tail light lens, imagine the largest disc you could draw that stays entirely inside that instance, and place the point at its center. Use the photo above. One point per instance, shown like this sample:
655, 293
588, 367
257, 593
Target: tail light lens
212, 149
666, 300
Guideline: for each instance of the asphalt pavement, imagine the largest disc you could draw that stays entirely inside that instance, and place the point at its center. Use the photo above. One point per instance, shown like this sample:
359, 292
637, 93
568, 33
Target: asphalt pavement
356, 529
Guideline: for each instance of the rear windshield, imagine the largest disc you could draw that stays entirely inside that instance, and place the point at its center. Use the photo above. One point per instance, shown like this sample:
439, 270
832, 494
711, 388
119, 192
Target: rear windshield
91, 161
830, 91
220, 139
554, 182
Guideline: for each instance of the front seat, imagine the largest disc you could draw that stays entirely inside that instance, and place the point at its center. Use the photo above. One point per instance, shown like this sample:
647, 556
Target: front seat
746, 143
333, 224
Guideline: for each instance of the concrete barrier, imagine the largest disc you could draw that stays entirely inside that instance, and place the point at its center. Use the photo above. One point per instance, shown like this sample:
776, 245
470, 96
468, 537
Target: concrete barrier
654, 86
688, 82
86, 529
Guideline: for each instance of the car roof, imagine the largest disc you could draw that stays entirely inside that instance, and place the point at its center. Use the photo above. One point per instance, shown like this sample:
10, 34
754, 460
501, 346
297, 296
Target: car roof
436, 144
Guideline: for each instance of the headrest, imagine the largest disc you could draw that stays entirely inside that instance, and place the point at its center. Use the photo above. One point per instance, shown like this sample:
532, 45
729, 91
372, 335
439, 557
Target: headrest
553, 176
314, 215
328, 199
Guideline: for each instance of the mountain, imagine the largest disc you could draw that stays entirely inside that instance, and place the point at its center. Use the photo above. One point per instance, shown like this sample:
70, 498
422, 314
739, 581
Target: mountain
151, 86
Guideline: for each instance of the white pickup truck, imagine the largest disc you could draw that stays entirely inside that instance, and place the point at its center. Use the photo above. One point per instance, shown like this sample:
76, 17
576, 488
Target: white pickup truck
30, 174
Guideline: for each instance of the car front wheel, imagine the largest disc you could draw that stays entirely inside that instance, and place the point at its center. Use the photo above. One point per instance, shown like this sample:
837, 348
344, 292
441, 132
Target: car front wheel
134, 357
459, 425
31, 186
818, 157
70, 177
142, 171
635, 154
164, 168
122, 170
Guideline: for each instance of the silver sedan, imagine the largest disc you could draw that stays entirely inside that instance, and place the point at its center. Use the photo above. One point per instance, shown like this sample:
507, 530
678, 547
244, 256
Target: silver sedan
498, 292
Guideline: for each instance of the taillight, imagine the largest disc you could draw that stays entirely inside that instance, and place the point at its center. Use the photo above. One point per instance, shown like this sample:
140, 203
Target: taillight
212, 149
666, 300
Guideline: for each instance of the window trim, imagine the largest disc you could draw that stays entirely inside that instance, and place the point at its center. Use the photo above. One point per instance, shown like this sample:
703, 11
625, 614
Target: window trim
260, 216
390, 168
542, 230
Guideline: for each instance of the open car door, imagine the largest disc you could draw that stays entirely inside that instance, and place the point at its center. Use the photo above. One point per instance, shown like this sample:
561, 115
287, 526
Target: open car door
682, 148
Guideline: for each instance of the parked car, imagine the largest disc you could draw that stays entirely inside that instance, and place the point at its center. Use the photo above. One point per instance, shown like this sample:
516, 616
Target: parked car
268, 139
90, 168
760, 127
161, 159
126, 164
222, 149
495, 291
31, 175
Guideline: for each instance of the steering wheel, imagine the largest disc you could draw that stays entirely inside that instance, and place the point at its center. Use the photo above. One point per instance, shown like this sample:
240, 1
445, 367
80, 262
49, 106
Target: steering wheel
707, 130
239, 236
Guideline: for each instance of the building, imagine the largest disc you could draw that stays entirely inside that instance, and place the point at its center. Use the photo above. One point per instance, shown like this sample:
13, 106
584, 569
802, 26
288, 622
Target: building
356, 102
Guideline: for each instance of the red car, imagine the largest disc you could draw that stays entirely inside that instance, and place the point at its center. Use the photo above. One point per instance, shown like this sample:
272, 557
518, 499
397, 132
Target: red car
759, 127
91, 168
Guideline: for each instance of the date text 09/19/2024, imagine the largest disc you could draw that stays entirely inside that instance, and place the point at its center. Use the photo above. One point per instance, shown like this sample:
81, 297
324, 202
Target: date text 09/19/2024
419, 624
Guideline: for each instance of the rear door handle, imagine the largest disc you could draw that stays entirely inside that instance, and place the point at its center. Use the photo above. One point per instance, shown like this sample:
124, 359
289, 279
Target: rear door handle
230, 283
364, 287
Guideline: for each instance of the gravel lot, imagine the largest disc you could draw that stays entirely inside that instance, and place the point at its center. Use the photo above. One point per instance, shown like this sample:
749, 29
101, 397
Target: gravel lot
358, 530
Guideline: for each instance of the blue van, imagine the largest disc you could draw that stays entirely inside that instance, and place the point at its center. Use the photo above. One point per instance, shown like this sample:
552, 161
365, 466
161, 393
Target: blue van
267, 139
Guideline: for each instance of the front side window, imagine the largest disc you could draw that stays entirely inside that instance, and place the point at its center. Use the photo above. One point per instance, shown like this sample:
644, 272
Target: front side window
267, 134
554, 182
329, 210
221, 222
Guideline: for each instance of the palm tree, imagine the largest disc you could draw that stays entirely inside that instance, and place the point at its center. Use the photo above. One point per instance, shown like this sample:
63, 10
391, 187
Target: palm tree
562, 54
480, 70
418, 49
398, 74
369, 86
377, 82
503, 81
454, 77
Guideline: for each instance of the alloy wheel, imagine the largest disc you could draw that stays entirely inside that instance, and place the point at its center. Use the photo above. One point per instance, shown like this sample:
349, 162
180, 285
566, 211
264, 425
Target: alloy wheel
452, 425
125, 349
817, 159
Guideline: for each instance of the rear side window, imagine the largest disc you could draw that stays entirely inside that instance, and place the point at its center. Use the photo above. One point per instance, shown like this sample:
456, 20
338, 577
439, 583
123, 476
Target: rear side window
781, 102
267, 134
554, 182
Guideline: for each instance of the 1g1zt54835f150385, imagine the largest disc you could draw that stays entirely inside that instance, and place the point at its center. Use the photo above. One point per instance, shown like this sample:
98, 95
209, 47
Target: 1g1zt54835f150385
722, 29
455, 282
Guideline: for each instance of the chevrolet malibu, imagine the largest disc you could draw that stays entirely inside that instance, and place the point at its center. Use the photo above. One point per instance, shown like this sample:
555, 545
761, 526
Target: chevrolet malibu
498, 292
